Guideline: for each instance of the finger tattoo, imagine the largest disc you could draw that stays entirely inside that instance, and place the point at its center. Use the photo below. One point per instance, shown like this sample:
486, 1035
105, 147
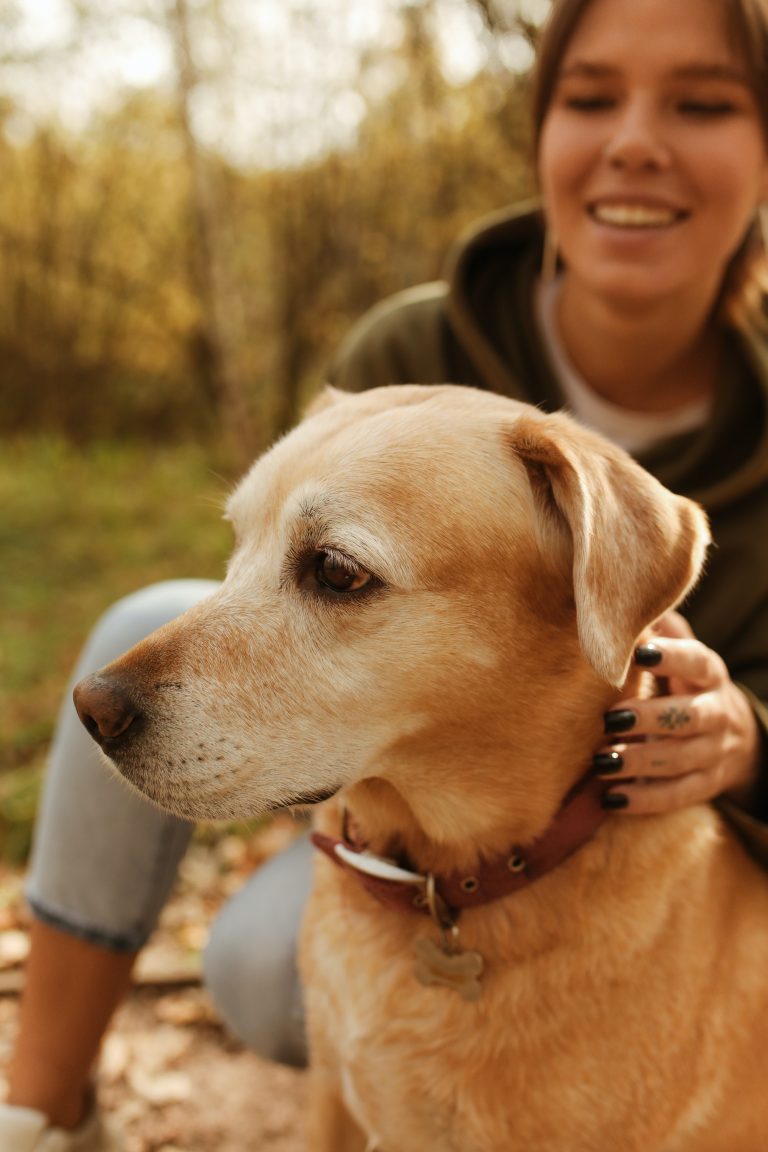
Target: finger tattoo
674, 718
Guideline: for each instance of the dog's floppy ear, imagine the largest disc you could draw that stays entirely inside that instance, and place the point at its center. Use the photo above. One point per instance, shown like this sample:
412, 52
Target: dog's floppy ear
637, 548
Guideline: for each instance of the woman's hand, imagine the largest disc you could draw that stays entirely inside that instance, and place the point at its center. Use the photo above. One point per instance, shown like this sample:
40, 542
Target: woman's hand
699, 740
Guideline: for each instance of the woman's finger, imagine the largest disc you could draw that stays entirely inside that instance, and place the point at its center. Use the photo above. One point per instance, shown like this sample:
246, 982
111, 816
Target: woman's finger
668, 716
685, 660
656, 759
674, 625
650, 797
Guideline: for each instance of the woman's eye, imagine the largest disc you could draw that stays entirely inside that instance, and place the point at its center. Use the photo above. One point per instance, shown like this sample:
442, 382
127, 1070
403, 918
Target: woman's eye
339, 573
589, 103
705, 108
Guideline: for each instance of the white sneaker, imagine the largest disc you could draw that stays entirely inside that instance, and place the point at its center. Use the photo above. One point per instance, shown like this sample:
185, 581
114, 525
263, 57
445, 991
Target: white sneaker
25, 1130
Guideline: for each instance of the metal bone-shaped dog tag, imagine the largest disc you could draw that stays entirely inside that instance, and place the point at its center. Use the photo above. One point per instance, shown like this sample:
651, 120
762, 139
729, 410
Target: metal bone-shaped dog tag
453, 969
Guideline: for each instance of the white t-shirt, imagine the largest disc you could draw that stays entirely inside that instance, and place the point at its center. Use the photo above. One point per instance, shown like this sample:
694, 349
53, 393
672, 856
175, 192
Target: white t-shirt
634, 431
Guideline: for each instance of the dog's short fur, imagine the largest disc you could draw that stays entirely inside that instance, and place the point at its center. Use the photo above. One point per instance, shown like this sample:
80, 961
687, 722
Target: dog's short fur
455, 697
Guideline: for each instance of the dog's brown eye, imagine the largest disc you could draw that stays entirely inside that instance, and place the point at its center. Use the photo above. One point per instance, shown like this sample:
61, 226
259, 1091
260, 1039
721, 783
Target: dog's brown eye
339, 573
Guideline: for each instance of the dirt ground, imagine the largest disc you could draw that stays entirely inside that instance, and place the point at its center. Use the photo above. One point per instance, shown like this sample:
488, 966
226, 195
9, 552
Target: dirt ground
171, 1077
173, 1086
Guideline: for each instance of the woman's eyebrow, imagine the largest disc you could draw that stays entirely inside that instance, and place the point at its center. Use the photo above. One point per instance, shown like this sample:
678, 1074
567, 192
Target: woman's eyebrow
696, 70
702, 71
588, 68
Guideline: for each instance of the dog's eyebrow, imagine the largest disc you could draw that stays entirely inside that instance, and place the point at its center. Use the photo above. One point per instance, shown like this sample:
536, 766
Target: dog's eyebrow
322, 523
310, 512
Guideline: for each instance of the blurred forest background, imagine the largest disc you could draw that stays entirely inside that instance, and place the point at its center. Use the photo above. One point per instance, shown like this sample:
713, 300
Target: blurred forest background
197, 198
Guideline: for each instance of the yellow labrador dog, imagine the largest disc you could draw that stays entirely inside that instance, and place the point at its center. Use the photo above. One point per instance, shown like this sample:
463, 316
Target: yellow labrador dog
434, 595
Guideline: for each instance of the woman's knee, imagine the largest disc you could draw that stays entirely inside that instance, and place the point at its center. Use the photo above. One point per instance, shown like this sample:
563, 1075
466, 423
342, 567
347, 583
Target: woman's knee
250, 961
256, 991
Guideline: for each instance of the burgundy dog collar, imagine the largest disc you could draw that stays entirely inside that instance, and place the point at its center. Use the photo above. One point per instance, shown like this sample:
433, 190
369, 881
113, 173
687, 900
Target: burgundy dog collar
577, 820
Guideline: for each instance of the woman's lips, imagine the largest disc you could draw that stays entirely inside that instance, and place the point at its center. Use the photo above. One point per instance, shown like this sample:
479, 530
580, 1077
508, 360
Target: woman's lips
635, 215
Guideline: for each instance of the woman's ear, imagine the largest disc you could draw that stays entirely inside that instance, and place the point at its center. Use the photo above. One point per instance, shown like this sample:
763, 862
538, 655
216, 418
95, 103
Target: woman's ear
637, 548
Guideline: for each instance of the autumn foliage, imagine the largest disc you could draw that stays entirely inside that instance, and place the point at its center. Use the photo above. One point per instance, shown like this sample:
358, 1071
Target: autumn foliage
154, 287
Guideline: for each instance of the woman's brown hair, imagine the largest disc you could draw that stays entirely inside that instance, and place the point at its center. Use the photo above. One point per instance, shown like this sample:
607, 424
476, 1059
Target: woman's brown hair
746, 281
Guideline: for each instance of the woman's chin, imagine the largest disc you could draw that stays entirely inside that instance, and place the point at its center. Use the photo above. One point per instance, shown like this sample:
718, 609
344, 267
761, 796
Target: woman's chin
639, 285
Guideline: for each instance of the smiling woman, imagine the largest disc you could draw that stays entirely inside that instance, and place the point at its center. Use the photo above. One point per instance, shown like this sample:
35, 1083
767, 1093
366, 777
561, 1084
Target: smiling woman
652, 161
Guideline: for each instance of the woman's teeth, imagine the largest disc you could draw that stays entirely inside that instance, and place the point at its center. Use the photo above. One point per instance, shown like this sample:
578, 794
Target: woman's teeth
633, 216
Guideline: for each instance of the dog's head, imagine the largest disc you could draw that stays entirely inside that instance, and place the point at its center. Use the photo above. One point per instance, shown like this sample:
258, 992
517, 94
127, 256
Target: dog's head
427, 583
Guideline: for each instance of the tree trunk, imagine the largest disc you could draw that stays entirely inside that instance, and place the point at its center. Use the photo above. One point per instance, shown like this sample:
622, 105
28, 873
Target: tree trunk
210, 281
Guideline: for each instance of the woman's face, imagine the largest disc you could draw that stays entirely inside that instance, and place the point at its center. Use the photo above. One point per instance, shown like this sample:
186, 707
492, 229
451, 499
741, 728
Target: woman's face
653, 157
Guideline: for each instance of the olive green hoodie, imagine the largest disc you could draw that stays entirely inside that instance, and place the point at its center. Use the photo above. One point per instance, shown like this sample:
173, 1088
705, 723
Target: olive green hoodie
478, 327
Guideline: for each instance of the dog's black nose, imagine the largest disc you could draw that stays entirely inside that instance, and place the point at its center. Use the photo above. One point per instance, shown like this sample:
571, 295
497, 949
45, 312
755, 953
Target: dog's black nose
105, 709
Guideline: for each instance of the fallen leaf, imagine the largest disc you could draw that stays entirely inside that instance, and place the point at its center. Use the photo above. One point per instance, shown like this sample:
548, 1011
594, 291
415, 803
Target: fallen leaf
167, 1088
14, 948
185, 1008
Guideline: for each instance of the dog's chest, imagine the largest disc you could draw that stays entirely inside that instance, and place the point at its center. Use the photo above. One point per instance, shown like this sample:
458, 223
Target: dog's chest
394, 1116
403, 1098
526, 1065
420, 1066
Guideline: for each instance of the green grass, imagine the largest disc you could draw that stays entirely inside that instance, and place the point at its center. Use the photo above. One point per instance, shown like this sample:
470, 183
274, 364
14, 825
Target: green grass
78, 529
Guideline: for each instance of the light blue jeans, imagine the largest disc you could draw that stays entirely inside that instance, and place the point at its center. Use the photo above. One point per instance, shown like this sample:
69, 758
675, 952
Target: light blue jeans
104, 859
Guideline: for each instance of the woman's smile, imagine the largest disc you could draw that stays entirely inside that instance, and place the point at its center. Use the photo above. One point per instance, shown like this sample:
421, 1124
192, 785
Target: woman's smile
652, 157
626, 213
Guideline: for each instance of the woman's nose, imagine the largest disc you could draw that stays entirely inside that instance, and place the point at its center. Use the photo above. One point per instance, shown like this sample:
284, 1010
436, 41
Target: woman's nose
637, 141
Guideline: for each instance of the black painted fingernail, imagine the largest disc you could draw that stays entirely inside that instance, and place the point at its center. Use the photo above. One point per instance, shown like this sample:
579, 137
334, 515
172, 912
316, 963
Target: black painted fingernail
620, 721
648, 655
608, 762
614, 800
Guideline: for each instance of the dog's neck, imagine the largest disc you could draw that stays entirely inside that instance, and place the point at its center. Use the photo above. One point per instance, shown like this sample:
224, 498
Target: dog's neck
394, 821
398, 882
